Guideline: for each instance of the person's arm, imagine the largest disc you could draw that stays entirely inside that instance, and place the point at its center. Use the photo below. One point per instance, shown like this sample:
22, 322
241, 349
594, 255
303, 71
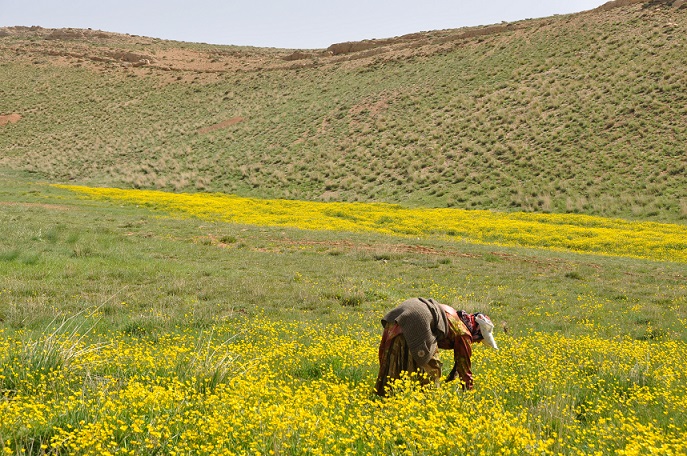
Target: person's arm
462, 351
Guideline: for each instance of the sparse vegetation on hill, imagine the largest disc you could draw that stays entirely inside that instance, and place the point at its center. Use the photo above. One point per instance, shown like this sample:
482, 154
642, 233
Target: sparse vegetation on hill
584, 113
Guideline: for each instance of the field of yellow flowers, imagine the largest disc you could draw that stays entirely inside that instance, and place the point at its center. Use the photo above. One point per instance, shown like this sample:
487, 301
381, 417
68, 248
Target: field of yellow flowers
275, 387
151, 377
566, 232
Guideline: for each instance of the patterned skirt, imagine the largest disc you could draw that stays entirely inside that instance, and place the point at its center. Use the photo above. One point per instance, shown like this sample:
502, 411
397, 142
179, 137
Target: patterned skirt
395, 357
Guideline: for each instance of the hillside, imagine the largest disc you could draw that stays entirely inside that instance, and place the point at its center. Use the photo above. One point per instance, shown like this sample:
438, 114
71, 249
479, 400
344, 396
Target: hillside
578, 113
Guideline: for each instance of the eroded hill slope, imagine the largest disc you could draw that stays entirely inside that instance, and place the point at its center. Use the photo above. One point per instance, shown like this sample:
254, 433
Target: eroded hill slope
583, 113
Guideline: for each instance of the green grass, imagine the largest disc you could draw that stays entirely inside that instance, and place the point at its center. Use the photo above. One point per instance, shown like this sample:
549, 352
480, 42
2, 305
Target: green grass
152, 274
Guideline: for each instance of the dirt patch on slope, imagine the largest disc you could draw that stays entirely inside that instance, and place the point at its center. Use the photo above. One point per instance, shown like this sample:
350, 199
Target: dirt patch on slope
59, 207
384, 251
219, 126
10, 118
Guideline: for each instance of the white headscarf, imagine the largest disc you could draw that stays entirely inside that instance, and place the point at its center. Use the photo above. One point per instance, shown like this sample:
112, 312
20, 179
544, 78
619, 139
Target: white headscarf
487, 328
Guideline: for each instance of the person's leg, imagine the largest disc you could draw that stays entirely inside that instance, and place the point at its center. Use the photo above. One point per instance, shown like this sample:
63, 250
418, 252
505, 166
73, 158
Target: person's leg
432, 370
393, 359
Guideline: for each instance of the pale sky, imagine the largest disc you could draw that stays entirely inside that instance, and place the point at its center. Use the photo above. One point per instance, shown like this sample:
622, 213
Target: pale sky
290, 24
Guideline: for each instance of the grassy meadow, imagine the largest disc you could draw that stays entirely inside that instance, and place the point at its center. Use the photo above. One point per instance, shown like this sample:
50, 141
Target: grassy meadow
577, 233
171, 287
128, 329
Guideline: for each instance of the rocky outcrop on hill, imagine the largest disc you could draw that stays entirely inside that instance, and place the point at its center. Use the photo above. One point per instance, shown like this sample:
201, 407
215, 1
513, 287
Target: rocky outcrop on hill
356, 46
298, 55
66, 34
417, 39
620, 3
16, 30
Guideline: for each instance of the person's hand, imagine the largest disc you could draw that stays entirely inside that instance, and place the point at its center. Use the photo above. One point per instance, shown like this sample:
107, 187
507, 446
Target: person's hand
452, 375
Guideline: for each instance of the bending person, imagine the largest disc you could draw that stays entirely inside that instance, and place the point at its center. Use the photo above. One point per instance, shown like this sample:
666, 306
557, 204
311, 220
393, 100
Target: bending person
416, 330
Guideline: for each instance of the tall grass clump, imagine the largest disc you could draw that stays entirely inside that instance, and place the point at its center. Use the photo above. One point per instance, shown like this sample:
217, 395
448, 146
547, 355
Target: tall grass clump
209, 364
31, 360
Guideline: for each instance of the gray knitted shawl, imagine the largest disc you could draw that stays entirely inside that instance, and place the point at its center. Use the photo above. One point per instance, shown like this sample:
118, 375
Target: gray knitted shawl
423, 322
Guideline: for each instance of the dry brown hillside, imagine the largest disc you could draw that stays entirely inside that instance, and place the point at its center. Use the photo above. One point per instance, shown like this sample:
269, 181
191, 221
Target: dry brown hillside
572, 113
102, 51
